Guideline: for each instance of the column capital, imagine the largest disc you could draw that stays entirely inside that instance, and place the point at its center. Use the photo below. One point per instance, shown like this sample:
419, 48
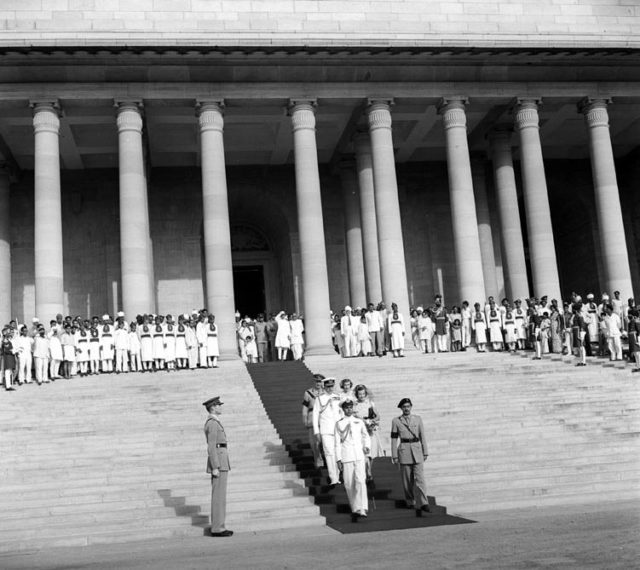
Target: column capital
526, 113
303, 114
129, 115
210, 115
595, 111
379, 114
452, 111
46, 115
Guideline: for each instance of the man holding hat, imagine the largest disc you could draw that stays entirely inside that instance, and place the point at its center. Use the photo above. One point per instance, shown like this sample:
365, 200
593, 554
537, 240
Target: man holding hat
218, 466
352, 445
326, 412
409, 449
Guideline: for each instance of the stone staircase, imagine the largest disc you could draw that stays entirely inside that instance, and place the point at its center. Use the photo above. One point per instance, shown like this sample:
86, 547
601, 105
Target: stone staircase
123, 458
509, 432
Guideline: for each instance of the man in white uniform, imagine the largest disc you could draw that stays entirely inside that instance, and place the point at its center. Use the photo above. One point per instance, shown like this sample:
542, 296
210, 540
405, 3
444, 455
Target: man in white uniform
326, 412
352, 445
376, 329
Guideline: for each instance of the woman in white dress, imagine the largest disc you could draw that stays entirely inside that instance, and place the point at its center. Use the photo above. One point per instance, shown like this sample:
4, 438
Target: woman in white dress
479, 328
181, 343
346, 390
213, 349
68, 342
94, 350
170, 344
364, 338
297, 339
365, 409
510, 330
157, 332
146, 345
283, 336
82, 345
106, 346
396, 332
495, 328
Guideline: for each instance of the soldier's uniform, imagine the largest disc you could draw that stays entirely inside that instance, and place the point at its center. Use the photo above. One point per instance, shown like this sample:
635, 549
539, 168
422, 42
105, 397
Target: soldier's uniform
351, 438
308, 402
218, 458
409, 449
326, 412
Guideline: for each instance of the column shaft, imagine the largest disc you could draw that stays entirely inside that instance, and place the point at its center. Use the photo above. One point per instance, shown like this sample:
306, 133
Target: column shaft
135, 251
612, 236
5, 248
353, 233
507, 199
49, 275
393, 271
466, 240
542, 251
315, 279
485, 233
364, 165
217, 231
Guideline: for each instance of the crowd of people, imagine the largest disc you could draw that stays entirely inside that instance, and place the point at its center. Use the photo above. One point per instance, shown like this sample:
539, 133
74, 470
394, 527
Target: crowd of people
76, 346
580, 327
343, 426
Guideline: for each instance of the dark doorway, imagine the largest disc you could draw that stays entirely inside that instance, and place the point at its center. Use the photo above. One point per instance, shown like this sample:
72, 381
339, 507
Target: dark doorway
248, 289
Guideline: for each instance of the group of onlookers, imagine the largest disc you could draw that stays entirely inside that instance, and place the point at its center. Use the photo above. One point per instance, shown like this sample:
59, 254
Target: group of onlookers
582, 327
76, 346
281, 337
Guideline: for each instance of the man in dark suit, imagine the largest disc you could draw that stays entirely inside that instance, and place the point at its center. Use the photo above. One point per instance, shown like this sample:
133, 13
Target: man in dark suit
409, 449
217, 465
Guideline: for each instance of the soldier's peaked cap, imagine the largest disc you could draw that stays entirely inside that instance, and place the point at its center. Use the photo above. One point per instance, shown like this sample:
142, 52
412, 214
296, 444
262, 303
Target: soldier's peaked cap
404, 401
215, 401
329, 381
347, 404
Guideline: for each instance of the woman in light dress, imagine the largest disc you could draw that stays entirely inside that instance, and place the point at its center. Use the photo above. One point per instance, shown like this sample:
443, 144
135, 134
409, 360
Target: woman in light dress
396, 332
479, 324
365, 409
346, 390
283, 336
157, 332
170, 344
146, 345
94, 350
182, 353
82, 356
364, 337
213, 349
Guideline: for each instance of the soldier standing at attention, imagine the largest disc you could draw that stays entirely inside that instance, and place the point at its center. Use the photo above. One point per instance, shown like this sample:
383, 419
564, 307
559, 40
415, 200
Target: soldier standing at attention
409, 449
218, 466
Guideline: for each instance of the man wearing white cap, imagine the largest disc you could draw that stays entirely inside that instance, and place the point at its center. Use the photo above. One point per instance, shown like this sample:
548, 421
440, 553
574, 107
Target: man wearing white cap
348, 332
326, 412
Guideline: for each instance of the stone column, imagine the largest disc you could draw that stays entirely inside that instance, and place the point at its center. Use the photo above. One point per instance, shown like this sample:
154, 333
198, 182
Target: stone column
542, 250
612, 236
49, 289
507, 199
353, 233
393, 271
217, 231
485, 233
364, 165
5, 246
466, 240
135, 251
315, 280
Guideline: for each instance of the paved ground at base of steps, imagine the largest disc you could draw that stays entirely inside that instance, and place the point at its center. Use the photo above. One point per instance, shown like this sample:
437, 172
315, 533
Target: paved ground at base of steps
594, 536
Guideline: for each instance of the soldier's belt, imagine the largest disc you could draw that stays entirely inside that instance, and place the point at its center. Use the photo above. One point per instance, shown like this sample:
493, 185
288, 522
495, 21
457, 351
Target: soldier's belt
221, 445
411, 440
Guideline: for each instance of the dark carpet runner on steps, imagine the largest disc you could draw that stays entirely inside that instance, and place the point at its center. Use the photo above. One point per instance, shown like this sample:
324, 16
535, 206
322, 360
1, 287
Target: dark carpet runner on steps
281, 386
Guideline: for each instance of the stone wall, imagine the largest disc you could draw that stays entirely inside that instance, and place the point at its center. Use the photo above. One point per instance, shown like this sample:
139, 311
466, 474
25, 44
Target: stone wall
557, 23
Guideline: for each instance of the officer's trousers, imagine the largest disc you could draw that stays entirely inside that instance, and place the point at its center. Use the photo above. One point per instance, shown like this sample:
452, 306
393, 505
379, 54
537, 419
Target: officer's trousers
415, 487
355, 484
219, 501
315, 449
329, 448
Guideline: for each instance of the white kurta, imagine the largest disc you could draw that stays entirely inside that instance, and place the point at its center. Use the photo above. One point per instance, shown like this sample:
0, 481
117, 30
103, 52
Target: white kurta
283, 336
396, 332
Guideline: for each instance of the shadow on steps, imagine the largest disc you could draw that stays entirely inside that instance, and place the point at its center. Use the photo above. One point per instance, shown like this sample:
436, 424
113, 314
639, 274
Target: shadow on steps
281, 386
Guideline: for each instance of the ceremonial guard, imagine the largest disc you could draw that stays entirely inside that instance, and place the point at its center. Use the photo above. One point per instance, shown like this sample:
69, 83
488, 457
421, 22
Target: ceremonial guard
409, 449
218, 466
326, 412
308, 402
352, 445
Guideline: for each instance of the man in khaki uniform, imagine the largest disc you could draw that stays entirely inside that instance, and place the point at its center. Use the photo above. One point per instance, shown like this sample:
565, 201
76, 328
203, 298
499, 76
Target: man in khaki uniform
409, 449
217, 465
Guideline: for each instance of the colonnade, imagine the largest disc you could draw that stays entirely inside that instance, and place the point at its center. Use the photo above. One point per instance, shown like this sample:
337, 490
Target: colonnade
373, 225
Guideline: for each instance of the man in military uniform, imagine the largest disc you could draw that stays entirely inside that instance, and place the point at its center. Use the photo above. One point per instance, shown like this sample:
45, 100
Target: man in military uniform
308, 401
352, 445
409, 449
217, 465
326, 412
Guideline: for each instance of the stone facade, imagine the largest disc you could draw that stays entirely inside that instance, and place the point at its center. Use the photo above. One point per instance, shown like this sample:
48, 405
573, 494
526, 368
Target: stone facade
553, 23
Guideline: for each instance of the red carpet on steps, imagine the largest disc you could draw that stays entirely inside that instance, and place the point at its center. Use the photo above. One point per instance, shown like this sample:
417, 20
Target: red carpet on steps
281, 386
